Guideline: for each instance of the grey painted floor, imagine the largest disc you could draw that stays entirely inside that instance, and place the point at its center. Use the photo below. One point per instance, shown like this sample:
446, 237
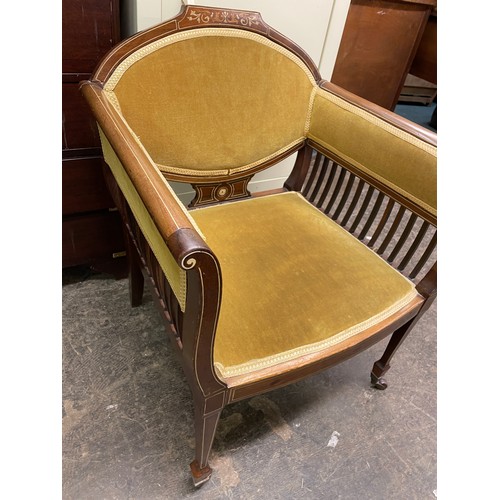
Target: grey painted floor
418, 113
128, 423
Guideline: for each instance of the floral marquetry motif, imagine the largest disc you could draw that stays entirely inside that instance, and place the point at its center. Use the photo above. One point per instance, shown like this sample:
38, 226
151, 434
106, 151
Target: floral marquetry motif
200, 16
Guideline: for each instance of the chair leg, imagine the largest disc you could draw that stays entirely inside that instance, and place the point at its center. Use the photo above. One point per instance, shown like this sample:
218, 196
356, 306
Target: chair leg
381, 366
205, 426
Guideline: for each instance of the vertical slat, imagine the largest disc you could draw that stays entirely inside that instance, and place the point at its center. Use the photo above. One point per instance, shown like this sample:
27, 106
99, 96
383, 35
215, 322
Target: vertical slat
345, 196
175, 315
403, 237
163, 288
328, 185
392, 230
313, 174
362, 210
382, 223
340, 180
425, 256
301, 167
416, 242
321, 177
373, 214
353, 203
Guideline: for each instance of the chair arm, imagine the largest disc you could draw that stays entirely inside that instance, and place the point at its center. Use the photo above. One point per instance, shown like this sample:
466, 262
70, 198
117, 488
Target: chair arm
390, 117
167, 212
394, 154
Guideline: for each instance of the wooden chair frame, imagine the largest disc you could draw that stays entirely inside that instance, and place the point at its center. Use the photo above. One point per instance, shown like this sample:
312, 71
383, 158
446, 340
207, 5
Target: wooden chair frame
376, 211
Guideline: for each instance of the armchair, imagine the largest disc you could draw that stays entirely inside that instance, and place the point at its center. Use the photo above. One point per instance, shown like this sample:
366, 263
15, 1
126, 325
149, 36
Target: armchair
259, 290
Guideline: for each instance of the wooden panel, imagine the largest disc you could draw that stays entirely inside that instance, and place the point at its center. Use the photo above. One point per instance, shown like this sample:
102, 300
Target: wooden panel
83, 186
424, 64
88, 238
417, 90
89, 29
378, 45
79, 129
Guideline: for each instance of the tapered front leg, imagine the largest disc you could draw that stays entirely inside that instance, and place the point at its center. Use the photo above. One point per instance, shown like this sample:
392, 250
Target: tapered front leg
376, 378
205, 427
427, 288
382, 365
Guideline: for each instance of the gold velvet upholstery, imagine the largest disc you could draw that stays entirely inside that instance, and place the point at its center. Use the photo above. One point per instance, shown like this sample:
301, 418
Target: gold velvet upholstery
398, 159
199, 107
294, 282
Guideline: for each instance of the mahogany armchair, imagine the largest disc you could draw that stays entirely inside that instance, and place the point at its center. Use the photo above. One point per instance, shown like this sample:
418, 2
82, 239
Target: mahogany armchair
260, 290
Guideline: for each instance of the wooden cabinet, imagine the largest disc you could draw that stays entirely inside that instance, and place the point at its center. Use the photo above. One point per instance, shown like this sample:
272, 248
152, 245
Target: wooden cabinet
424, 64
91, 227
378, 45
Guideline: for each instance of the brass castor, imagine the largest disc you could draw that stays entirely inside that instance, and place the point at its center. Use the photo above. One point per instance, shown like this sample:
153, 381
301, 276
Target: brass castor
378, 382
200, 476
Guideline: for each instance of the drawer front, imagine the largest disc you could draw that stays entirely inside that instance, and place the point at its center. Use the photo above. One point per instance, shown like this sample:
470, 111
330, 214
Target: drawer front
79, 129
83, 186
88, 238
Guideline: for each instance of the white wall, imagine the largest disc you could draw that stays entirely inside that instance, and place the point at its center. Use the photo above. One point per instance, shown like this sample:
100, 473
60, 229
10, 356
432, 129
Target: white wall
137, 15
315, 25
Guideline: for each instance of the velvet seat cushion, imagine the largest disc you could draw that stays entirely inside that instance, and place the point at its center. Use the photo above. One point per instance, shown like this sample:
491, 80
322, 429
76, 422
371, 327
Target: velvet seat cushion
293, 282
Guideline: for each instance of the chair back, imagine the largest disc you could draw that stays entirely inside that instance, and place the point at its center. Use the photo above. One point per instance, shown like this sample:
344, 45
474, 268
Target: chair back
218, 93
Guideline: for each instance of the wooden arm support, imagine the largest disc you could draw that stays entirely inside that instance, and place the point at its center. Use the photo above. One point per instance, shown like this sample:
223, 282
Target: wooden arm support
165, 210
189, 250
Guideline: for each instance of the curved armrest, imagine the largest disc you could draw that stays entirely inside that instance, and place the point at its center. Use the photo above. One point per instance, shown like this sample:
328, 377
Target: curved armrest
169, 230
189, 265
167, 212
394, 154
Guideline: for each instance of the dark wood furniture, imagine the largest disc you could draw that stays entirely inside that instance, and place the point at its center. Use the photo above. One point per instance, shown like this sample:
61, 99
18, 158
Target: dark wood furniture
424, 63
378, 46
417, 90
421, 82
91, 226
226, 273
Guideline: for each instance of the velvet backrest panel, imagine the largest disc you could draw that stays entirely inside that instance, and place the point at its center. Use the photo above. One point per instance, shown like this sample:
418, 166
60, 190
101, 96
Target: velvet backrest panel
213, 101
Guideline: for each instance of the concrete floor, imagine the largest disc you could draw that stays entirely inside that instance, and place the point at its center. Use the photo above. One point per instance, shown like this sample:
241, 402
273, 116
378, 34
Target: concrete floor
418, 113
128, 417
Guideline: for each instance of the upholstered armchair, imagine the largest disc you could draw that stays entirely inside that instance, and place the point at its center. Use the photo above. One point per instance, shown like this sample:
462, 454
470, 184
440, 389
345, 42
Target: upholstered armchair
260, 290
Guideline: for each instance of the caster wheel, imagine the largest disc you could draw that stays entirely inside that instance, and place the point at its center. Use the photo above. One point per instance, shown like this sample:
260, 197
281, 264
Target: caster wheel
200, 475
379, 383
